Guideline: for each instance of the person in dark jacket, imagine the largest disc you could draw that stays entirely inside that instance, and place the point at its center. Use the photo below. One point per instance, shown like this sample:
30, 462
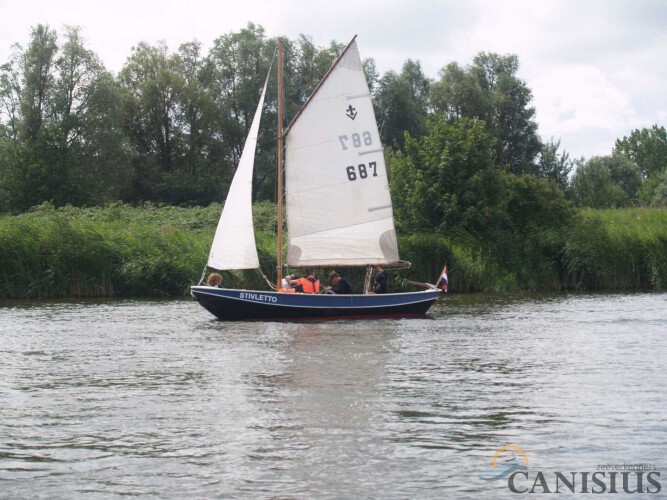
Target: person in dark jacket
339, 285
381, 281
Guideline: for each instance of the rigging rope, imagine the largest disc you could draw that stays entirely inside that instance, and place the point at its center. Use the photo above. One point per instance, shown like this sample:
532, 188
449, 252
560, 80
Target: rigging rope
268, 282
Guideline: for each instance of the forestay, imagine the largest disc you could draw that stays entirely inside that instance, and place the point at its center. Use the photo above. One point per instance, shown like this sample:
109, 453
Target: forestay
234, 242
339, 208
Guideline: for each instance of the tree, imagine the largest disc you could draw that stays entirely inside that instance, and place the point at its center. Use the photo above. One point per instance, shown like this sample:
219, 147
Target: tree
554, 166
659, 198
37, 61
76, 72
606, 182
489, 90
194, 177
458, 94
647, 148
48, 94
87, 123
401, 103
447, 180
306, 64
535, 203
10, 95
196, 110
239, 63
105, 149
152, 84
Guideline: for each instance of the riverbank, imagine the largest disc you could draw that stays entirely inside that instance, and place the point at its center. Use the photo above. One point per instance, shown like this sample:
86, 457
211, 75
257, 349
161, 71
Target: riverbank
124, 251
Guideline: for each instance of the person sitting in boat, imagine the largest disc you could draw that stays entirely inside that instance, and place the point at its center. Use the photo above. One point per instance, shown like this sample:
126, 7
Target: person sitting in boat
339, 285
214, 279
381, 281
308, 283
286, 286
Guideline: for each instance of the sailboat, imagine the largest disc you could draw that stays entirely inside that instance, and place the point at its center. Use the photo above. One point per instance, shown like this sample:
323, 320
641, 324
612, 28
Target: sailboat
339, 210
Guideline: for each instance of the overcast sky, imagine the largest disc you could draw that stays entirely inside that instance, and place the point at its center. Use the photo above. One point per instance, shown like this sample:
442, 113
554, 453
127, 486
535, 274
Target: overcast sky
597, 68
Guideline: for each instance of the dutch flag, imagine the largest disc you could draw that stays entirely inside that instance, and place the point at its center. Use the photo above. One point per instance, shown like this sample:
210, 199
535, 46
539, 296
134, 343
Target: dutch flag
443, 283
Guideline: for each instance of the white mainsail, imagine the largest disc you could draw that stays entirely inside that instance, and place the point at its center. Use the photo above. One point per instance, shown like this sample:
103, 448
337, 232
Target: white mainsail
234, 242
339, 209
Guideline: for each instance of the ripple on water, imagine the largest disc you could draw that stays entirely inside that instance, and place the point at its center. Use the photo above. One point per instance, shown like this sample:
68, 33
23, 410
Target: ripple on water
156, 398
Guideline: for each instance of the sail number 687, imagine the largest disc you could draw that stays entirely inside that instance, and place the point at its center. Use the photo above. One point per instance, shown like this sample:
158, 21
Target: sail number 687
361, 171
357, 140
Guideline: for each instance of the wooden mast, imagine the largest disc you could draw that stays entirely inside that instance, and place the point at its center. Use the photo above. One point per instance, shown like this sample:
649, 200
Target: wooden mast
279, 197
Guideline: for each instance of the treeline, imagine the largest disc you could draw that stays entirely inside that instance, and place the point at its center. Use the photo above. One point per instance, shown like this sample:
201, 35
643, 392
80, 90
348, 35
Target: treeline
170, 126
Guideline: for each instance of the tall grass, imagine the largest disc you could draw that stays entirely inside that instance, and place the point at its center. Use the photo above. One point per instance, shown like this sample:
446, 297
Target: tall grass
47, 256
618, 249
470, 269
115, 251
121, 251
599, 250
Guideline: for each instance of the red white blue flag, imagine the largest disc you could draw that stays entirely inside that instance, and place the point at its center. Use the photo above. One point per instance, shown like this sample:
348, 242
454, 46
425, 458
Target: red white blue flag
443, 283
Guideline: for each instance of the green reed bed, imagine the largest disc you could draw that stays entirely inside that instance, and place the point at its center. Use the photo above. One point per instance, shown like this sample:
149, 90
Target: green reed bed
618, 250
469, 270
623, 249
119, 251
112, 251
48, 257
122, 251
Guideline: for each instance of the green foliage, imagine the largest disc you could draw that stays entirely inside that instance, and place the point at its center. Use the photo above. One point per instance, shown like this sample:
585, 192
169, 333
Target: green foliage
617, 249
529, 244
30, 178
401, 103
553, 165
647, 148
38, 80
116, 251
62, 141
503, 230
151, 84
489, 90
653, 191
446, 179
170, 128
120, 251
660, 194
472, 183
535, 203
606, 182
470, 269
593, 250
43, 255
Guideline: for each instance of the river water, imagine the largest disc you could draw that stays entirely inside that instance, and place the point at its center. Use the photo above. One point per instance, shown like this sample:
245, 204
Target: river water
157, 399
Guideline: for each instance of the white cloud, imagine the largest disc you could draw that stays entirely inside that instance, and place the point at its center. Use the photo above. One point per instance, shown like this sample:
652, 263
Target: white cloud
580, 105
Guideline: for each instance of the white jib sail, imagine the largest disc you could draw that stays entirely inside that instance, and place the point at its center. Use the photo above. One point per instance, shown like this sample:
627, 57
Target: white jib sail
339, 208
234, 242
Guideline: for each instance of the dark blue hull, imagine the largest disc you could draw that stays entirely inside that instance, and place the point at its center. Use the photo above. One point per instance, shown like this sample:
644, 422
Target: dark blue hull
227, 304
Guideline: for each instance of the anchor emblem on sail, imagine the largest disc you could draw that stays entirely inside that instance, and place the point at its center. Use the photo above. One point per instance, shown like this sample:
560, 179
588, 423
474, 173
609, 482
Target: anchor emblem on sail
351, 112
